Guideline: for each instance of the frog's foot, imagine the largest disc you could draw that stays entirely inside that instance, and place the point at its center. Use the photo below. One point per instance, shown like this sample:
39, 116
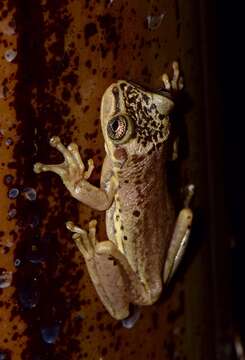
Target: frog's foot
72, 170
85, 241
177, 82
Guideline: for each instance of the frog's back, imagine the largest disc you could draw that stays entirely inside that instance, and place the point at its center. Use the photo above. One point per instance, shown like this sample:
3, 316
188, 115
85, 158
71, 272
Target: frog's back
140, 220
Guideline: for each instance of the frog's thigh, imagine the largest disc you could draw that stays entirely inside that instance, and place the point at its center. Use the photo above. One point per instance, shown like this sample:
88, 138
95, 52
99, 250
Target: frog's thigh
110, 285
178, 243
117, 284
115, 281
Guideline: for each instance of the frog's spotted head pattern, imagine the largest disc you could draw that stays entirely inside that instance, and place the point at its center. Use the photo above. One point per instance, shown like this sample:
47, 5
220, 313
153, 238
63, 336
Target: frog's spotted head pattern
135, 119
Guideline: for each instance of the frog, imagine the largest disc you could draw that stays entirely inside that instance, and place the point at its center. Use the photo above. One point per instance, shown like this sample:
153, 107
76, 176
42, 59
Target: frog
146, 239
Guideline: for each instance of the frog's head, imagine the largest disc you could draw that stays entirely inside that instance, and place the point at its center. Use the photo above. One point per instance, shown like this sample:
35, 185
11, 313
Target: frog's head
135, 122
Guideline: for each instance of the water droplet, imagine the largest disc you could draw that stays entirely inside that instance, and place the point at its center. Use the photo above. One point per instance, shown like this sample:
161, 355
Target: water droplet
50, 333
4, 91
5, 279
154, 21
8, 179
9, 141
30, 194
12, 213
13, 193
131, 320
3, 355
10, 55
17, 262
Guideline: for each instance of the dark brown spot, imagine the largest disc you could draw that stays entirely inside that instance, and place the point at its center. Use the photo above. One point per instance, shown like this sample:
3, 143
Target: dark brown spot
86, 108
104, 351
78, 98
90, 30
88, 63
120, 154
136, 213
123, 85
66, 94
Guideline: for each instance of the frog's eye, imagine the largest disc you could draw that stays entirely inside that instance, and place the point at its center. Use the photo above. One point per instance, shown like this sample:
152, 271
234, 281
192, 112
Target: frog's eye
119, 128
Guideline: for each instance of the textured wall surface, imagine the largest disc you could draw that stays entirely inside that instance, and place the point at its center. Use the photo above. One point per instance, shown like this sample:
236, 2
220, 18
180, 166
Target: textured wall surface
56, 60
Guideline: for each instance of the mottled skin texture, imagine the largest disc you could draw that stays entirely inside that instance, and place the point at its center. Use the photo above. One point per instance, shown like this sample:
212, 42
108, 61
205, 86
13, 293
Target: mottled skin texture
144, 246
143, 237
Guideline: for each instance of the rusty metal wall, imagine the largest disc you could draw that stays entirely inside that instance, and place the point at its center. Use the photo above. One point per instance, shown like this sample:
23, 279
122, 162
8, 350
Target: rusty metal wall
57, 58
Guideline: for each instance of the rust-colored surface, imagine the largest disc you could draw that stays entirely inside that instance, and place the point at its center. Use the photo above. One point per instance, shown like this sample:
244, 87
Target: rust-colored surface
64, 55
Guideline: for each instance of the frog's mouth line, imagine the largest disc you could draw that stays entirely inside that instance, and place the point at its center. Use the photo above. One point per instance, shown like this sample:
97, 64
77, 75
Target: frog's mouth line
160, 91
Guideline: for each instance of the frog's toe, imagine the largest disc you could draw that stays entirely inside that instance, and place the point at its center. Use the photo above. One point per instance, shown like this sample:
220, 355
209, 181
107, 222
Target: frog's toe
190, 191
84, 240
90, 169
73, 147
57, 144
181, 83
37, 168
54, 141
70, 225
74, 228
166, 82
57, 169
92, 232
176, 75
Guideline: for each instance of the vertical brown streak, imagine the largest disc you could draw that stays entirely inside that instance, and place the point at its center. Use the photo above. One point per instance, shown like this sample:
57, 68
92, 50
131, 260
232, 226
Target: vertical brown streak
33, 278
30, 76
116, 94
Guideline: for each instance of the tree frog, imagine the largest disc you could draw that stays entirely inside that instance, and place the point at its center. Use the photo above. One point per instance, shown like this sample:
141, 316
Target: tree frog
145, 242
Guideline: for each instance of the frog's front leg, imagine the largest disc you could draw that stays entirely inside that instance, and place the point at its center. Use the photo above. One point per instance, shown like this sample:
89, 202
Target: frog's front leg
115, 281
74, 176
179, 238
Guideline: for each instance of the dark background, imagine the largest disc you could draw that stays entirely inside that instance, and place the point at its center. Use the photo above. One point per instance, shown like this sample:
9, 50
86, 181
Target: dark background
230, 50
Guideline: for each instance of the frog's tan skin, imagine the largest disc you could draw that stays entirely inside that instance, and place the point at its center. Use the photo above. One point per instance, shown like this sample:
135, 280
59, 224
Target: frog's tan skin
144, 244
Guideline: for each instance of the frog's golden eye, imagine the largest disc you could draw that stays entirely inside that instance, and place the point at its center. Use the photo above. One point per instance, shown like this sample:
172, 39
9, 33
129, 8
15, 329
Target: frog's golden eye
119, 128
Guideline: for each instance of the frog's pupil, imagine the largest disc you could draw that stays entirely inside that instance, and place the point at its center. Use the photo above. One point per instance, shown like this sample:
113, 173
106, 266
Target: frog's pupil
115, 125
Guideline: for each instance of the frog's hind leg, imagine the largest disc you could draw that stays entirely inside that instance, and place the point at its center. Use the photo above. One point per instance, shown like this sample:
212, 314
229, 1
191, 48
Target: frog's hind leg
180, 238
105, 276
115, 282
